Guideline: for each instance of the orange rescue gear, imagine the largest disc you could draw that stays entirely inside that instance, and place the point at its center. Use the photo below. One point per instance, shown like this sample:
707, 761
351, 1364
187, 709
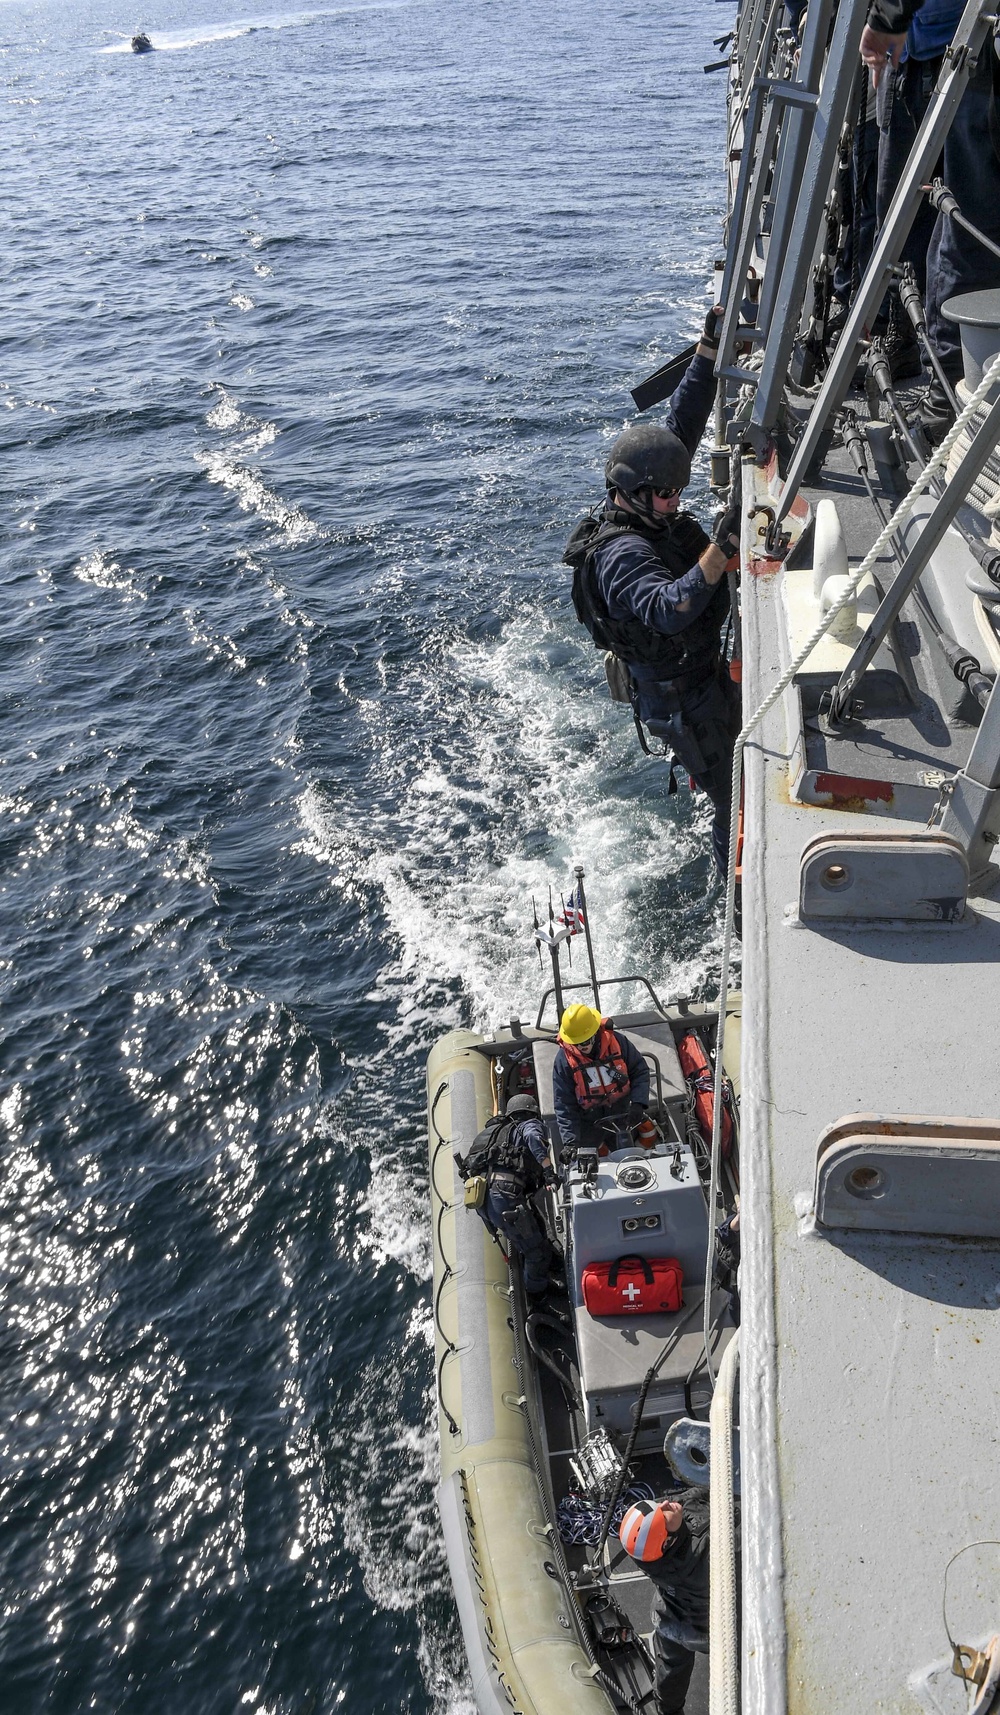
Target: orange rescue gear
600, 1078
647, 1133
697, 1069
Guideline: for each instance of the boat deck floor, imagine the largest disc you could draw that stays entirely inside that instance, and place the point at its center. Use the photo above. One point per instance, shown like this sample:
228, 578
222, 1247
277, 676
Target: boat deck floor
631, 1589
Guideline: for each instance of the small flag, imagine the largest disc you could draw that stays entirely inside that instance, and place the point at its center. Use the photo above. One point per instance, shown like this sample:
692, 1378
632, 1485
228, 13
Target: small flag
571, 914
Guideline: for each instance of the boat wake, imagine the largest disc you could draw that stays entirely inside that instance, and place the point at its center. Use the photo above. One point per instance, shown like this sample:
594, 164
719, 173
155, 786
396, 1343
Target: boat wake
525, 773
535, 775
232, 467
173, 41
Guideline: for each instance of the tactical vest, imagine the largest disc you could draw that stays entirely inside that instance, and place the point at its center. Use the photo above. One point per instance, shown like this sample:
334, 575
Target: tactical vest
494, 1151
600, 1078
692, 650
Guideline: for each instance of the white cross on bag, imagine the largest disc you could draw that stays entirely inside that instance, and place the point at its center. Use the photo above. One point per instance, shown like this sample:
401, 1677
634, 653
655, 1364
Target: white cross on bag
632, 1292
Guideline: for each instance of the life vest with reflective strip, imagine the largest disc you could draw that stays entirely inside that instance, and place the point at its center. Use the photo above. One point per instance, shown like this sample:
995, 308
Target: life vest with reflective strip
600, 1078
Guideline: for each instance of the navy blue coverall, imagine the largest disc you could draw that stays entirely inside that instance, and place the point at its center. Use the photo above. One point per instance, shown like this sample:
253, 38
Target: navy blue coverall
948, 261
579, 1125
508, 1208
680, 1606
699, 718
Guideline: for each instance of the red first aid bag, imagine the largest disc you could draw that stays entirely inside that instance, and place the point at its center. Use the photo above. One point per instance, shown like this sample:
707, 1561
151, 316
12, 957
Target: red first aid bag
633, 1286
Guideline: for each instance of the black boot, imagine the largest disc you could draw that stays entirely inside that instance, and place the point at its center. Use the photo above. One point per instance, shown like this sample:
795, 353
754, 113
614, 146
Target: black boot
902, 351
936, 413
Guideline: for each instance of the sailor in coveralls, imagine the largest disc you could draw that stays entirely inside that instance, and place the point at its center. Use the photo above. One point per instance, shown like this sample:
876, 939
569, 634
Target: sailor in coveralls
670, 1542
597, 1075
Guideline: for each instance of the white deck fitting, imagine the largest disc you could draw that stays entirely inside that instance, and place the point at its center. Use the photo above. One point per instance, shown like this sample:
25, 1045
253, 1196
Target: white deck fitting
869, 1364
803, 614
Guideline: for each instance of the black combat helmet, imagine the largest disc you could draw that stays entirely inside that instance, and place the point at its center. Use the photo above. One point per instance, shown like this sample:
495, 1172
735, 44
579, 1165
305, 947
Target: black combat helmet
643, 457
522, 1105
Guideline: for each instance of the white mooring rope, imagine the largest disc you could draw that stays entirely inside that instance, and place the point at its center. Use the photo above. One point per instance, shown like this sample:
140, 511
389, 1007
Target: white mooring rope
724, 1643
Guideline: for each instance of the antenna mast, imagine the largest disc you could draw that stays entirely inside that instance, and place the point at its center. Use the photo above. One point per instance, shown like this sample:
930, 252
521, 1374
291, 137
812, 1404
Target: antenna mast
585, 914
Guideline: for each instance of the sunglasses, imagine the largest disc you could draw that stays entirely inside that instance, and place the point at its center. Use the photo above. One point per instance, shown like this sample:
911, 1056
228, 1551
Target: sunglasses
665, 493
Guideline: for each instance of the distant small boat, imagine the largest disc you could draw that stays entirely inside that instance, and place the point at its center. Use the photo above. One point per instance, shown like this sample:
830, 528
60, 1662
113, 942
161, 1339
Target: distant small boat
141, 44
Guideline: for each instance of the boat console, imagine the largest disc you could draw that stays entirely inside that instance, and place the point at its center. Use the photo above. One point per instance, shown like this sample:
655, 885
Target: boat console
649, 1204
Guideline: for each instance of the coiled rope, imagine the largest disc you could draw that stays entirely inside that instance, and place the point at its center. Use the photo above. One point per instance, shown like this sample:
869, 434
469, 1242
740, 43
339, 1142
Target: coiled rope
934, 465
580, 1519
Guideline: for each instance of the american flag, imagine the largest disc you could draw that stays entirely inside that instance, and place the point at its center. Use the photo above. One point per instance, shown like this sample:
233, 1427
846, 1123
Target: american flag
571, 914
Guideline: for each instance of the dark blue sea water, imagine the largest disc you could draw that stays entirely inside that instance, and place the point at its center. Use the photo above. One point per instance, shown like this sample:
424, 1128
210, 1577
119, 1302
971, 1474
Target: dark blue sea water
315, 327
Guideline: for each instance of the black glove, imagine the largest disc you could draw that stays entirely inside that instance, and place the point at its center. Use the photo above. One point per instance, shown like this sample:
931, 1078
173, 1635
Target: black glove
712, 331
566, 1154
636, 1113
549, 1179
727, 1243
726, 534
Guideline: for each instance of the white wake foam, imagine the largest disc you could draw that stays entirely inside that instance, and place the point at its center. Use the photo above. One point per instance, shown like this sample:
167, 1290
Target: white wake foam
201, 35
231, 468
536, 789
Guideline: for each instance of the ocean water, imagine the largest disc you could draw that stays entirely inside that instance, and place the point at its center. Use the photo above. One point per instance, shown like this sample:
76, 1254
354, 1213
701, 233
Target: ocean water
316, 327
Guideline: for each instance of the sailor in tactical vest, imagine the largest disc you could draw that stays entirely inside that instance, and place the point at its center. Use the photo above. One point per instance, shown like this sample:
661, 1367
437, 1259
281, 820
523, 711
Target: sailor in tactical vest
651, 586
518, 1166
670, 1542
597, 1075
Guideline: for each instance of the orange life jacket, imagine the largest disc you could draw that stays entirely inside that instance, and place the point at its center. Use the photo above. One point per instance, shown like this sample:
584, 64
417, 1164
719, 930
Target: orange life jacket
600, 1078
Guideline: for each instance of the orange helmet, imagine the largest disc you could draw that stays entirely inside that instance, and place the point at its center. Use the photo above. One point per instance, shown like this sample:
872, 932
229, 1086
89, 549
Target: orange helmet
643, 1531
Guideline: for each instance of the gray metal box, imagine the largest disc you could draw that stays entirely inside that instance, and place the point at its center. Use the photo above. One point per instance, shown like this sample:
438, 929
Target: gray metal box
670, 1214
616, 1351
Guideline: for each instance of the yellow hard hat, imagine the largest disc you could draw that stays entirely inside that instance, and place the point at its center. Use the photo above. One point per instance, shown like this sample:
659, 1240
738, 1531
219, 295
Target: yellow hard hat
579, 1024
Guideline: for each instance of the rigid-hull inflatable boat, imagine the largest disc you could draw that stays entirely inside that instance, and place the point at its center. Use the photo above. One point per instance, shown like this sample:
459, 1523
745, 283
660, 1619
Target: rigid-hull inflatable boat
538, 1408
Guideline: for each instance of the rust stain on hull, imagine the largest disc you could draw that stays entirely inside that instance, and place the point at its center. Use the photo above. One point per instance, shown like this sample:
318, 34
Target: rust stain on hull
847, 792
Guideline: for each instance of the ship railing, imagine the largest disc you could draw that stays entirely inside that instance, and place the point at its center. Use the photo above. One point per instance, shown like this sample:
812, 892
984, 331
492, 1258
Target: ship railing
784, 112
789, 131
959, 63
755, 21
773, 51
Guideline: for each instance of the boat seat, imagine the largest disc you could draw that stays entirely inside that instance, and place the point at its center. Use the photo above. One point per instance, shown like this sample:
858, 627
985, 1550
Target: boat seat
617, 1351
